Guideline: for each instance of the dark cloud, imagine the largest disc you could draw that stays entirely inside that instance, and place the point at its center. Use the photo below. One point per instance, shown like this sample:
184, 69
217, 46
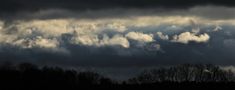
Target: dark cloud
207, 12
34, 5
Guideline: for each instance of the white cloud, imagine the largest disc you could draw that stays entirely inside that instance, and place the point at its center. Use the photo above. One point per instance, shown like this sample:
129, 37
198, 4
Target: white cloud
141, 37
88, 40
46, 33
115, 40
119, 27
162, 36
37, 42
186, 37
7, 39
45, 44
93, 40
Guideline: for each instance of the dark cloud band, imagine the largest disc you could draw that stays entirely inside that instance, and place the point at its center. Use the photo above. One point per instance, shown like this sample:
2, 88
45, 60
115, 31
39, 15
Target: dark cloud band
34, 5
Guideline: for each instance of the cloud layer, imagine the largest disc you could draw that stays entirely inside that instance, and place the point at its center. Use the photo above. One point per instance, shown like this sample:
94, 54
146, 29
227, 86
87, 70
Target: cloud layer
106, 38
54, 33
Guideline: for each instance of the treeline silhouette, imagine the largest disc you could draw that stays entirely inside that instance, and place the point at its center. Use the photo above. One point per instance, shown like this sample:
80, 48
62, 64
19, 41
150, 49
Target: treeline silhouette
185, 73
30, 76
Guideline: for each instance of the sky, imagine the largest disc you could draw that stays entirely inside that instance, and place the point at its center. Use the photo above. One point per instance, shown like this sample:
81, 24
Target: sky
117, 35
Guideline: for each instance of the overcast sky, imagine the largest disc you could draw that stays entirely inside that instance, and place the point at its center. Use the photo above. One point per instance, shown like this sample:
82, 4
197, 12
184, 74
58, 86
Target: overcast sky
117, 33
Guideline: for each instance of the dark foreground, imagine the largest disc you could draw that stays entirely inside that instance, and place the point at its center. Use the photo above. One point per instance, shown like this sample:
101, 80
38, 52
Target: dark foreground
29, 76
165, 85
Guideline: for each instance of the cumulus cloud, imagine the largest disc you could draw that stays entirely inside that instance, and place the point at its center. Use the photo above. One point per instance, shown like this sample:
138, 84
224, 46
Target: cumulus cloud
141, 37
38, 42
87, 39
115, 40
162, 36
47, 33
186, 37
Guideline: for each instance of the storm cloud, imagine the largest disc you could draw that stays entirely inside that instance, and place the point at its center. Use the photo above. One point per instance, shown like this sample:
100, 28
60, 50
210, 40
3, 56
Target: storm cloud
96, 34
